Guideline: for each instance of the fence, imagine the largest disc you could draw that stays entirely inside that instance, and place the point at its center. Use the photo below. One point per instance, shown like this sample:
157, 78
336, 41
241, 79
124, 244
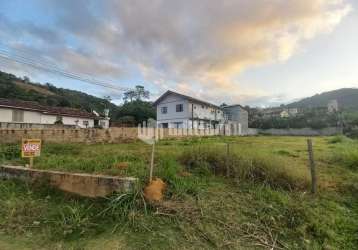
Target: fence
297, 132
111, 135
70, 135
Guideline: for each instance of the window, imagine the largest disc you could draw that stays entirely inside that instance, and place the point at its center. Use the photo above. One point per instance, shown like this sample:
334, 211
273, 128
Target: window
164, 110
59, 120
85, 123
178, 124
18, 116
179, 107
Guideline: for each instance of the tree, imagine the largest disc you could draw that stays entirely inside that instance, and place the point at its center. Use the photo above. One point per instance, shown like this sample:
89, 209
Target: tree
139, 110
26, 79
138, 94
141, 93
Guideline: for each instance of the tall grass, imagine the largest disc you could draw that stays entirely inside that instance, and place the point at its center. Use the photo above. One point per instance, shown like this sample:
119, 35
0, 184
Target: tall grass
345, 152
347, 155
29, 208
242, 165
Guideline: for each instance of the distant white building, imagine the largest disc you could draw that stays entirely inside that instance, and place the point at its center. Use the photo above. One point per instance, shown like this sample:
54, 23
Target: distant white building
279, 112
23, 114
176, 110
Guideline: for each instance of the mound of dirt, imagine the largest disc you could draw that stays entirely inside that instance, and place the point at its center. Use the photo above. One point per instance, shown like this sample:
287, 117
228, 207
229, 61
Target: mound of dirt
154, 191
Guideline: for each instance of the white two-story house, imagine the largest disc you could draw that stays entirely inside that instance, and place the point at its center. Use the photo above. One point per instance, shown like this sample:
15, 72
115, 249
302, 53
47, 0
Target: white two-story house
176, 110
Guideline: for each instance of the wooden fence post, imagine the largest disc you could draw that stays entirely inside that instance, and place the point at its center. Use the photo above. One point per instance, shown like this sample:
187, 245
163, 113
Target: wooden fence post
312, 166
152, 163
227, 160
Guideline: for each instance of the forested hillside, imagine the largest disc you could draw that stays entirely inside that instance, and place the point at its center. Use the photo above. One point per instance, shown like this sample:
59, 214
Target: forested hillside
347, 98
13, 87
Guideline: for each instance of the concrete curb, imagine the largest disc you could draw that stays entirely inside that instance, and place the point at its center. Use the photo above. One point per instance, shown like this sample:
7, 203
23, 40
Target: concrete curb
88, 185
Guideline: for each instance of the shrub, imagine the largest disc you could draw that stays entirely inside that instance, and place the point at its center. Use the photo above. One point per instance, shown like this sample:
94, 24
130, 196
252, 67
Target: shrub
339, 139
10, 151
348, 156
169, 171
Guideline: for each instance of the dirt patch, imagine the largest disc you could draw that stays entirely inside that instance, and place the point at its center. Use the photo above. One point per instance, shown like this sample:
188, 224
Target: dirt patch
122, 165
154, 191
29, 87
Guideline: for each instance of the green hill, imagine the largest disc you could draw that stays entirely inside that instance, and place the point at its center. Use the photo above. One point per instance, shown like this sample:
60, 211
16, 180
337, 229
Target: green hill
13, 87
347, 98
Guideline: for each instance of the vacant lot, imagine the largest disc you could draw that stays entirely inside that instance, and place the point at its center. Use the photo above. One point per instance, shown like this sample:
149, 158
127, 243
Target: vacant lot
254, 194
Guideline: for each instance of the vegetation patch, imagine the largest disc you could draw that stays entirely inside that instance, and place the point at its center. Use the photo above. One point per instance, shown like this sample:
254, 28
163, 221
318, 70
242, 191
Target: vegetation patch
262, 202
259, 168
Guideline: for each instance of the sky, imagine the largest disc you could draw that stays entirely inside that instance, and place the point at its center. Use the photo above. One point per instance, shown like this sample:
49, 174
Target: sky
258, 53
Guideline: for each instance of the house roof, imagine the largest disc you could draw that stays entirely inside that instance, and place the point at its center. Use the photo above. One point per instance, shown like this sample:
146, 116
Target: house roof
235, 105
34, 106
184, 96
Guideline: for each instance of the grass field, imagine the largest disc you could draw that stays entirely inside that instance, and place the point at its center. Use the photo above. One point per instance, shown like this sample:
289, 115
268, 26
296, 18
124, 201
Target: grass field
256, 196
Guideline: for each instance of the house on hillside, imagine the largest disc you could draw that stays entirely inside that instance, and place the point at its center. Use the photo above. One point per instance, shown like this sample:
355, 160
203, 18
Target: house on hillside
24, 114
176, 110
332, 106
279, 112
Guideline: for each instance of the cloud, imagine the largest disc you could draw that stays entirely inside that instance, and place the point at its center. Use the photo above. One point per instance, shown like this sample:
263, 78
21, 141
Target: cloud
189, 45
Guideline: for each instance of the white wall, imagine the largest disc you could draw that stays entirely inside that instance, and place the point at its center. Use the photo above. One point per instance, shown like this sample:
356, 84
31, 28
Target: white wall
29, 116
72, 121
38, 118
200, 111
104, 123
32, 117
5, 115
170, 102
48, 119
203, 111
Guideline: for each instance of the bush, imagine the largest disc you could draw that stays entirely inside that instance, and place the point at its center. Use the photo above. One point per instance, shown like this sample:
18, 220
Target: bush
348, 156
260, 168
10, 151
339, 139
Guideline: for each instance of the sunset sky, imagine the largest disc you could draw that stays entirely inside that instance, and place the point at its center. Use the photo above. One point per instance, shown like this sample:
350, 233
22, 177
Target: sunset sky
235, 51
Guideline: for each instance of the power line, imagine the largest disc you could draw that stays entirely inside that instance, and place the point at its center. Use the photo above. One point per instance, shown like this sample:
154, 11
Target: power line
45, 66
22, 55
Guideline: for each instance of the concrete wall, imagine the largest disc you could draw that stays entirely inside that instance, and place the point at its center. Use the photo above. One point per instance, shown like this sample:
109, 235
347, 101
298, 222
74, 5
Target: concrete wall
70, 135
111, 135
296, 132
82, 184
